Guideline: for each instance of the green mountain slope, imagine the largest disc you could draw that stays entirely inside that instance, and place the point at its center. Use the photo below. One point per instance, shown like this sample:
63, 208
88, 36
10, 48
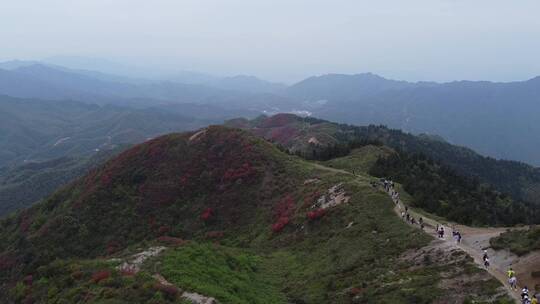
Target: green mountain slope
240, 220
20, 186
38, 130
476, 114
519, 180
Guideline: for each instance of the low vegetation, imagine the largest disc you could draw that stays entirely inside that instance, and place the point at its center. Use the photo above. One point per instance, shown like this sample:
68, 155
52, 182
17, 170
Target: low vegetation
215, 198
519, 242
229, 274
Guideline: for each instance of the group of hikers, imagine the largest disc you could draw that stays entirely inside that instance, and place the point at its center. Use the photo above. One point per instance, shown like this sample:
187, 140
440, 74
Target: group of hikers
389, 188
525, 297
439, 229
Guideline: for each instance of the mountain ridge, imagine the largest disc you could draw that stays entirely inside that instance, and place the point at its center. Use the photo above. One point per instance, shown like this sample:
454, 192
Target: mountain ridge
312, 234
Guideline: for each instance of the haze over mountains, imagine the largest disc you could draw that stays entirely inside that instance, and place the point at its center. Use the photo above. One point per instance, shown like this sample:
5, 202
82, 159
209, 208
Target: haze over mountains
476, 114
86, 172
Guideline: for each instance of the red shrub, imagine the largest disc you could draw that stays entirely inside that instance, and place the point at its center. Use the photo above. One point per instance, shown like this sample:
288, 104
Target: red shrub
310, 199
112, 247
164, 229
173, 241
168, 290
278, 120
207, 214
100, 276
284, 207
184, 180
231, 175
283, 210
152, 221
28, 280
214, 234
355, 291
280, 224
158, 193
316, 214
283, 135
106, 178
28, 300
127, 272
26, 222
77, 275
6, 261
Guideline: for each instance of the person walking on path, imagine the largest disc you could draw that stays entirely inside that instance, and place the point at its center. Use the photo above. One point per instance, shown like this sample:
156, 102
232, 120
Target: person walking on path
441, 232
486, 263
512, 280
510, 273
486, 259
524, 292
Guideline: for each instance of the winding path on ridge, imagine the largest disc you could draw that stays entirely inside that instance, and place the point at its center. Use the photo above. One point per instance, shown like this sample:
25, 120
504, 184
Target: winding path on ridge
474, 241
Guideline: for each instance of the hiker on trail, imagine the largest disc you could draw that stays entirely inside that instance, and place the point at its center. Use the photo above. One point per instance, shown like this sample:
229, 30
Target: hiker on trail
513, 282
408, 217
457, 236
422, 226
413, 221
402, 214
510, 273
524, 292
421, 220
485, 255
440, 232
406, 208
486, 263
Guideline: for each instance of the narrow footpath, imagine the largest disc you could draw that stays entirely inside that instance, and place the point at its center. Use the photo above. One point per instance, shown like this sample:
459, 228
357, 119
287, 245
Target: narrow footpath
472, 242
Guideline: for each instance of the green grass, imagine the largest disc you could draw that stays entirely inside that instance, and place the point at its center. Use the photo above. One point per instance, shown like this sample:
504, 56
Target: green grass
70, 281
229, 274
360, 160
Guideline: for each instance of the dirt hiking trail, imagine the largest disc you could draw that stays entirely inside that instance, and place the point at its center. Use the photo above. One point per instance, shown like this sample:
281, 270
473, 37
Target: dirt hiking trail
474, 241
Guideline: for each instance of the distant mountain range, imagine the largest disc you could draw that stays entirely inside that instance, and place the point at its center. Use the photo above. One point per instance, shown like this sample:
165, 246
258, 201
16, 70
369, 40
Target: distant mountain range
39, 130
495, 119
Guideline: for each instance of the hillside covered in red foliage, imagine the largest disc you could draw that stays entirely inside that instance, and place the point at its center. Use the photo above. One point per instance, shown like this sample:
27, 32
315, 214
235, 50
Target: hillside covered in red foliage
176, 186
248, 220
290, 131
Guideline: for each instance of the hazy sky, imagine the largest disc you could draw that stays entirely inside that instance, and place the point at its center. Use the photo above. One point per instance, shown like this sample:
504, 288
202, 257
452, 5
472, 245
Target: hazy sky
286, 39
